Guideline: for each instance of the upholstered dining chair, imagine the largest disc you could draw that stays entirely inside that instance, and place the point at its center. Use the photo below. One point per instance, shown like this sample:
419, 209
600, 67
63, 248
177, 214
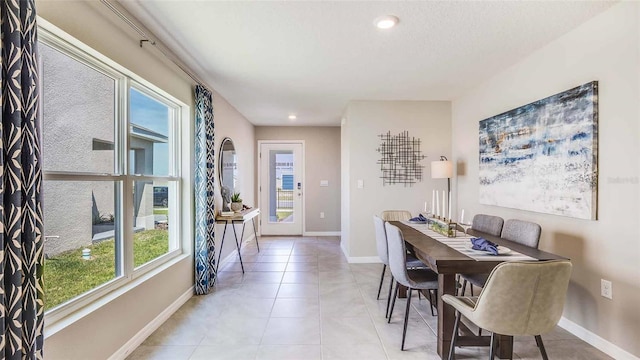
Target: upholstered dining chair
519, 298
383, 253
489, 224
395, 215
519, 231
413, 279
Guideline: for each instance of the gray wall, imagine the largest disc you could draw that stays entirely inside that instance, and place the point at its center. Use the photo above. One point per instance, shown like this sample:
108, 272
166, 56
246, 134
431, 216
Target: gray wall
605, 48
230, 123
322, 162
68, 133
430, 121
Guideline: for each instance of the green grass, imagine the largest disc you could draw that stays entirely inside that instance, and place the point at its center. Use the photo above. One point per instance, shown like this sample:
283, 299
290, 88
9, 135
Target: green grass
67, 275
160, 211
283, 214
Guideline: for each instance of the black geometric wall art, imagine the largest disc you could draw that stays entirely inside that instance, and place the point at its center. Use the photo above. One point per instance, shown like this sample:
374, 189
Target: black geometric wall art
400, 159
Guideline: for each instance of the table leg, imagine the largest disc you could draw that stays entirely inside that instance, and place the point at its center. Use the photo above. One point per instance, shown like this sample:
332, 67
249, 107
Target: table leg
255, 233
235, 234
505, 346
402, 292
446, 314
221, 245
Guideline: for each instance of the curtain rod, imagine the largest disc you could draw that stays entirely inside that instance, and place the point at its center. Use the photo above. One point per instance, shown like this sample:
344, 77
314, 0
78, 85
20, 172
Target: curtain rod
146, 38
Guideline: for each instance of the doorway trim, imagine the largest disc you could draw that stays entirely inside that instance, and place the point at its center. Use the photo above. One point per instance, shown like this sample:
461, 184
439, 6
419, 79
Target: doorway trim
304, 182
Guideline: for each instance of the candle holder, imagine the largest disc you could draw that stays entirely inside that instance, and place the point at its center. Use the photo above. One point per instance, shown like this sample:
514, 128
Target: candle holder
443, 226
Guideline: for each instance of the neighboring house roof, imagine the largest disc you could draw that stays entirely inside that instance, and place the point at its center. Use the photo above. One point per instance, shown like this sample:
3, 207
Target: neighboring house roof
147, 134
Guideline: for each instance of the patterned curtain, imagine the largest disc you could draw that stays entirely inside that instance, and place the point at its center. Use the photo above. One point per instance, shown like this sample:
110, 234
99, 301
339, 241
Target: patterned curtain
205, 260
21, 229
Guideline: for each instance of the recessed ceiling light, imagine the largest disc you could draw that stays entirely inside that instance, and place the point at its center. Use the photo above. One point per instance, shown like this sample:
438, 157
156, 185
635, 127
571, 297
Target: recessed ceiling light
292, 117
386, 21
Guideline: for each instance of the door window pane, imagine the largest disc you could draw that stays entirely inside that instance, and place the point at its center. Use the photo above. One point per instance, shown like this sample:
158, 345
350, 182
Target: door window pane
81, 238
149, 135
79, 115
282, 186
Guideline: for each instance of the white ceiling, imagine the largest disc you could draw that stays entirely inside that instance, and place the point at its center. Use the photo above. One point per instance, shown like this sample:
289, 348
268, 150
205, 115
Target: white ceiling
310, 58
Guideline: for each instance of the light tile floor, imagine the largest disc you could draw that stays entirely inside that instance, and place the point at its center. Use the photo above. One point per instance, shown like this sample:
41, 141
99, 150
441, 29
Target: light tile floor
300, 299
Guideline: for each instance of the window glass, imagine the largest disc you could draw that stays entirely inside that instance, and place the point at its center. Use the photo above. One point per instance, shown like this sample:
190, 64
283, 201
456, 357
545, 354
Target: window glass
152, 221
149, 134
79, 108
96, 235
81, 238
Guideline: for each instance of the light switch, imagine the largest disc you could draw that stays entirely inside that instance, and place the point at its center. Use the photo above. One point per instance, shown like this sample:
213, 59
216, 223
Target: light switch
324, 182
360, 184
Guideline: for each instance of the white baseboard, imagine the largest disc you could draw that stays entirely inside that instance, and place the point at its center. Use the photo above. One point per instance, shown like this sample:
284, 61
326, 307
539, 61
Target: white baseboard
344, 249
152, 326
596, 341
321, 233
364, 260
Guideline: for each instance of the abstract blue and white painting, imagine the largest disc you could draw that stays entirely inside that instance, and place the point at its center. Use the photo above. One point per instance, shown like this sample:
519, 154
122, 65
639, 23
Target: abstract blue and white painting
542, 156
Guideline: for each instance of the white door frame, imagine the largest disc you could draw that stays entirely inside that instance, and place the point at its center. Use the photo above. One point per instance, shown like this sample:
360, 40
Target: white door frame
304, 183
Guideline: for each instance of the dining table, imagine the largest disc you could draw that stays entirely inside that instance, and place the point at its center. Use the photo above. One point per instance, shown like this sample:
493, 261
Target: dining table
447, 261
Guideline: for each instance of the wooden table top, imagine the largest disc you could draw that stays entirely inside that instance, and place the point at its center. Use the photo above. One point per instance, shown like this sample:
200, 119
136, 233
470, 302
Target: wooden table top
243, 215
446, 260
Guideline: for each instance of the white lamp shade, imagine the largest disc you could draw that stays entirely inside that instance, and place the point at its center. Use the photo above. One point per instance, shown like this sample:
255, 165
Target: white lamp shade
441, 169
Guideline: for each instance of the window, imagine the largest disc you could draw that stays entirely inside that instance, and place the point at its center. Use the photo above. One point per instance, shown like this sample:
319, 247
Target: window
111, 188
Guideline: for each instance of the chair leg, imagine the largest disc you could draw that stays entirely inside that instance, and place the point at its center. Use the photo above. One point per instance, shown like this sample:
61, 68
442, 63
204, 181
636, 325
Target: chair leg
419, 292
540, 344
386, 312
406, 318
454, 337
464, 287
393, 302
471, 287
384, 268
457, 284
431, 301
492, 347
435, 304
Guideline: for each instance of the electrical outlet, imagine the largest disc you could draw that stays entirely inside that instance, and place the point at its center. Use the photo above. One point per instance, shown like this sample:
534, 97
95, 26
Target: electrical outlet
606, 289
322, 215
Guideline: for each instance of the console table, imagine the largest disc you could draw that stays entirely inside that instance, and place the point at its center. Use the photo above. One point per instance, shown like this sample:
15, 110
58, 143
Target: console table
240, 217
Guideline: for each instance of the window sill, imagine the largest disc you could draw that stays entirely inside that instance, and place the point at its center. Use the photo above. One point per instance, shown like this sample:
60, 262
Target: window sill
58, 324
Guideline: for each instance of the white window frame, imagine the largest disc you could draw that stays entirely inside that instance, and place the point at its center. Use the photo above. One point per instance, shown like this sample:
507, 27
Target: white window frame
180, 231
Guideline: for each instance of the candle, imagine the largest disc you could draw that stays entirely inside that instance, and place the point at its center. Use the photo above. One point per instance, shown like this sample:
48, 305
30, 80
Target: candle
433, 203
437, 204
449, 205
444, 205
462, 217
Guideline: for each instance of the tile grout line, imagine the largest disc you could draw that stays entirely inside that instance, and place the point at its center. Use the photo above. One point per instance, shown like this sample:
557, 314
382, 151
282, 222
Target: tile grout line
384, 347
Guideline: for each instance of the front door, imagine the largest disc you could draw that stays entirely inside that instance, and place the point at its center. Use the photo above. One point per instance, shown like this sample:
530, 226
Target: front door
281, 188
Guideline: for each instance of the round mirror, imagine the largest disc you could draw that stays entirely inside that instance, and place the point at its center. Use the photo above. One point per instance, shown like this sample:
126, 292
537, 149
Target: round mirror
228, 172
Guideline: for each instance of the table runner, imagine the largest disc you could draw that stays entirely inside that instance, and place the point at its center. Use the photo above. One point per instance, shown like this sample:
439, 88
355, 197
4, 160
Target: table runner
462, 244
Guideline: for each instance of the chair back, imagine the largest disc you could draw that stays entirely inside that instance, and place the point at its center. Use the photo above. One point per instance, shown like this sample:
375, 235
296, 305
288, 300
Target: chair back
397, 254
489, 224
522, 232
381, 240
395, 215
523, 298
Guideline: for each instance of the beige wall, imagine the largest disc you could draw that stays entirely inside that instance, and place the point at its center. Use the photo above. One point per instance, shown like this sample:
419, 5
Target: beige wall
101, 333
606, 49
230, 123
322, 162
430, 121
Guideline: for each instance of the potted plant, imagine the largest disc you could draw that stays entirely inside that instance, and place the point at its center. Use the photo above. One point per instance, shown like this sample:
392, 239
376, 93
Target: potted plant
236, 202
